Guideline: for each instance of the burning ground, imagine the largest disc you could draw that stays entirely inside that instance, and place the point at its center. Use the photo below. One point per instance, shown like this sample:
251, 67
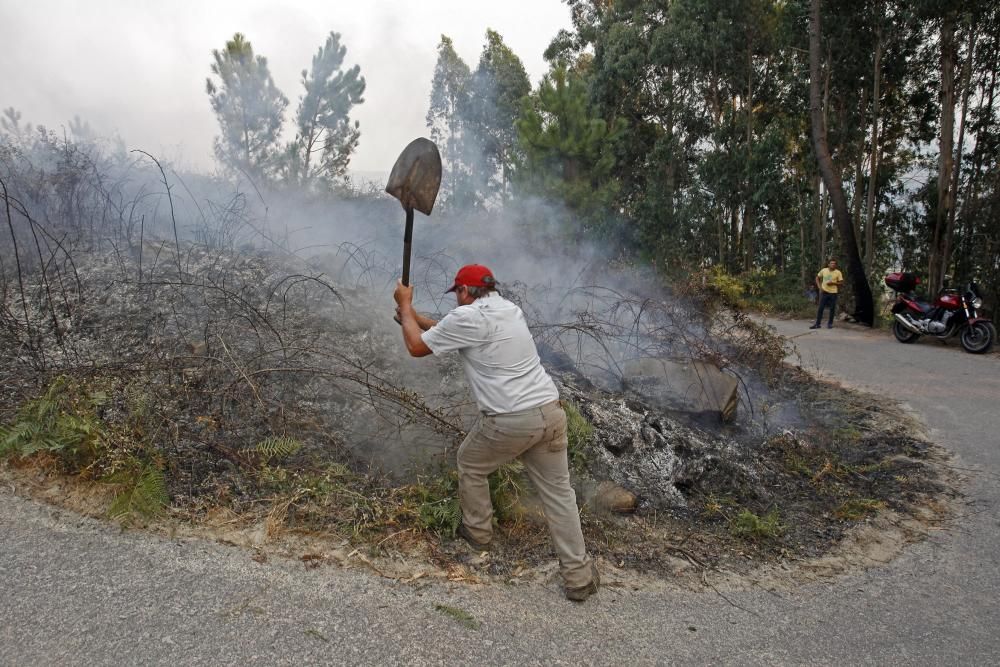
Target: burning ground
264, 399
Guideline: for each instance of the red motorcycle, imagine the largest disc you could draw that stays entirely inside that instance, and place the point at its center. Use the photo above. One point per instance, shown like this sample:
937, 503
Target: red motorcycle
952, 313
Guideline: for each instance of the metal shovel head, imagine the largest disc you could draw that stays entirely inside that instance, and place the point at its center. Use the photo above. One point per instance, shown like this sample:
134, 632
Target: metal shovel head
416, 176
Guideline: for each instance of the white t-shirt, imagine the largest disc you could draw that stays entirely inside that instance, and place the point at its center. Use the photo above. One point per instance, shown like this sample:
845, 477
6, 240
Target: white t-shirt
500, 358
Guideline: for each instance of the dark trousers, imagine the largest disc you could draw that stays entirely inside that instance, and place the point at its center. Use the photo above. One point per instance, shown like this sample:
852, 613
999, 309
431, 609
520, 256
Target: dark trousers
826, 299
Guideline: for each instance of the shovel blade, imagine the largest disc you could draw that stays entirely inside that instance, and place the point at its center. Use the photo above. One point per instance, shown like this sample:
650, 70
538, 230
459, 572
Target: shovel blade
416, 176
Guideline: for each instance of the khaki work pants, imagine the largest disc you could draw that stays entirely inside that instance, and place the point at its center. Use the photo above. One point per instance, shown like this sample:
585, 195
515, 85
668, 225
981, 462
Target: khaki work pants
538, 437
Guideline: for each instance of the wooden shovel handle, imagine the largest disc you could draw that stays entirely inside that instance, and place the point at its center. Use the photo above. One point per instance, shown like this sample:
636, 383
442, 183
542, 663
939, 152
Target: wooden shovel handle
407, 242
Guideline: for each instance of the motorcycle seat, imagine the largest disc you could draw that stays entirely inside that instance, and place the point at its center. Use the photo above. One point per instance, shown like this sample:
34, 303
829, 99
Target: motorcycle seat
923, 305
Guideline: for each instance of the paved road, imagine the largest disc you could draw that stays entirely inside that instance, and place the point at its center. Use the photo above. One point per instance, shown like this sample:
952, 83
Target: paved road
74, 591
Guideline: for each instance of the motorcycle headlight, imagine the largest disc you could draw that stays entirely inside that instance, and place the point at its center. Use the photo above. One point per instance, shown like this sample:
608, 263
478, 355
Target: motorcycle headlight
977, 303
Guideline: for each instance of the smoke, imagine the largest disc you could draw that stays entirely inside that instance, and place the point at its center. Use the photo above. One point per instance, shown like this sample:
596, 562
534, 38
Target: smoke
592, 309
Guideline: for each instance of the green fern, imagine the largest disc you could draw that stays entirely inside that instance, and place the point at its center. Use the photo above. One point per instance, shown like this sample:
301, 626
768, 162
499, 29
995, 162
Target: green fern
442, 516
275, 448
63, 421
437, 503
142, 492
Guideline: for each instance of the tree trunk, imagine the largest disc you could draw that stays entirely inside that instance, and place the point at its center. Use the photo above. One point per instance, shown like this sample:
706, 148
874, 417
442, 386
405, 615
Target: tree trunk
937, 260
822, 202
864, 308
957, 171
734, 236
803, 271
721, 231
748, 210
859, 174
875, 155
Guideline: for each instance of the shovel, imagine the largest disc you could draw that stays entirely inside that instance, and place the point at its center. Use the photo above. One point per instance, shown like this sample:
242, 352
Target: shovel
414, 181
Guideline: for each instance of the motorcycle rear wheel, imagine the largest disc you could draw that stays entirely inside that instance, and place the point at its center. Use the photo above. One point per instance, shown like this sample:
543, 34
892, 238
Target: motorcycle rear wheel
979, 338
904, 335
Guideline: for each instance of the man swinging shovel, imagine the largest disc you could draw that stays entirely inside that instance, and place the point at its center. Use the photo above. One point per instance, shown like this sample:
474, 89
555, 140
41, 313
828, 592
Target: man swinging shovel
521, 415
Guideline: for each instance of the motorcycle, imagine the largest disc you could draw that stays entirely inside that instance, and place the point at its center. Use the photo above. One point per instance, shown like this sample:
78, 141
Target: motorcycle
953, 312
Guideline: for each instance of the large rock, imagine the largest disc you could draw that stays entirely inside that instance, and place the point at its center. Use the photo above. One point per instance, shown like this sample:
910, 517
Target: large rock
610, 497
693, 387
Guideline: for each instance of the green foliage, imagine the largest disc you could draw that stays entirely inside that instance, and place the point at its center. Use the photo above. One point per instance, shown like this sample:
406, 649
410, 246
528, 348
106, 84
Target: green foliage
141, 491
578, 432
728, 287
506, 489
568, 149
275, 448
437, 504
763, 290
748, 525
463, 617
858, 508
717, 166
63, 422
443, 516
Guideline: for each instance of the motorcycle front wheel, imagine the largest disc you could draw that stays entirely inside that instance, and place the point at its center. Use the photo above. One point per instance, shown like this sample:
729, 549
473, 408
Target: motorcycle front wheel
979, 337
903, 335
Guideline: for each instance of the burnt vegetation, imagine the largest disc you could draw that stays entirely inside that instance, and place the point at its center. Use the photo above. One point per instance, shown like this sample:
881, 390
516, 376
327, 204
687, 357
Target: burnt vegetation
173, 350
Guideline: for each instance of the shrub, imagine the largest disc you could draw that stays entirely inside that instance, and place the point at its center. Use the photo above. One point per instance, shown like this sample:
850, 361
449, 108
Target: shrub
749, 525
579, 432
65, 423
437, 502
62, 422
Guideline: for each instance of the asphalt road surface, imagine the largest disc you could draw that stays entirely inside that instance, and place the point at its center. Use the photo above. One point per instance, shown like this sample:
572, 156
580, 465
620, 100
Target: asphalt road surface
76, 591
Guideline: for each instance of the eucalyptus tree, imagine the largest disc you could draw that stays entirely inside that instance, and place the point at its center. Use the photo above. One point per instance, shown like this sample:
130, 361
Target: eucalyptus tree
976, 230
490, 111
962, 34
249, 107
700, 83
864, 309
326, 137
449, 93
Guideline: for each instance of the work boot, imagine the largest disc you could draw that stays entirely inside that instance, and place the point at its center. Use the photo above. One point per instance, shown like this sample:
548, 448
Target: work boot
815, 326
464, 533
581, 593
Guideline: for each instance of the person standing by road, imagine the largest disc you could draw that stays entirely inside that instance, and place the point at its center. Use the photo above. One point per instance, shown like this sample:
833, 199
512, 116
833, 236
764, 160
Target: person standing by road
828, 281
520, 415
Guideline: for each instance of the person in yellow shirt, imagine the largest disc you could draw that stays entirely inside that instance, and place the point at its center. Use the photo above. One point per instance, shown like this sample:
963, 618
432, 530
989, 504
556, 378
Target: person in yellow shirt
828, 281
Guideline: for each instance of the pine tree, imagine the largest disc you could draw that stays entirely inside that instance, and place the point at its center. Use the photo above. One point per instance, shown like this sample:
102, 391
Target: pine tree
326, 138
568, 151
250, 109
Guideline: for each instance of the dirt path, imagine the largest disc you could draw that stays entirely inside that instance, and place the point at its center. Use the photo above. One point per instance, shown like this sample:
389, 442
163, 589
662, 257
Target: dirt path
78, 591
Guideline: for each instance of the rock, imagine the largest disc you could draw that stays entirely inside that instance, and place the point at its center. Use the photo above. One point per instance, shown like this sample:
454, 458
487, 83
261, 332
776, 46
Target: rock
612, 498
695, 387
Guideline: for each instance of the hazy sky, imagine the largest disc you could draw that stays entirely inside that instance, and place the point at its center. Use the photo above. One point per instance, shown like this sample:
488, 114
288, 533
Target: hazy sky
137, 68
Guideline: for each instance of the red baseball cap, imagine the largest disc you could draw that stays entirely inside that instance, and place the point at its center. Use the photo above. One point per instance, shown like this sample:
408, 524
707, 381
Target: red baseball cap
473, 275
